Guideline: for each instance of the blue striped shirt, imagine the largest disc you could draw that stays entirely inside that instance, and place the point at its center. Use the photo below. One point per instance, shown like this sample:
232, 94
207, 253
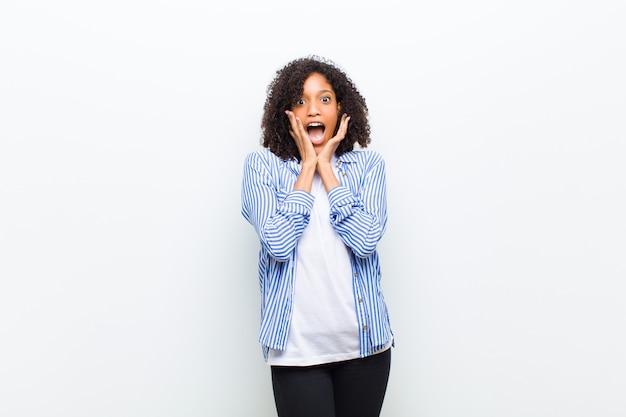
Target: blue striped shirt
279, 214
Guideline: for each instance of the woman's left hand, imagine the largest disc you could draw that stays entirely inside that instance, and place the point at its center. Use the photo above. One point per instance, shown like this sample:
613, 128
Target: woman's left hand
331, 146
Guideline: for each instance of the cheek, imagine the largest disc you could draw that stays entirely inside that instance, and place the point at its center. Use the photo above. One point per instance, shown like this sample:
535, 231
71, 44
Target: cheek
334, 124
298, 112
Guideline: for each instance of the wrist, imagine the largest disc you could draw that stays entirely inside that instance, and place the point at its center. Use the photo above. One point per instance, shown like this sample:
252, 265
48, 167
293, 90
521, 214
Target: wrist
309, 165
323, 164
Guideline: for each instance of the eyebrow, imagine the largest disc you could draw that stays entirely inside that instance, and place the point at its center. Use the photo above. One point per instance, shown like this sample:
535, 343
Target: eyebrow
323, 92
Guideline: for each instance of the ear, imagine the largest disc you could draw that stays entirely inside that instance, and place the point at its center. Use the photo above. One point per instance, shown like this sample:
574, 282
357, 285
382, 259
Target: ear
339, 108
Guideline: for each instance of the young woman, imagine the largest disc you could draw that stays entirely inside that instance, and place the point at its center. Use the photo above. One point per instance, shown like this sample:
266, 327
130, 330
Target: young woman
318, 206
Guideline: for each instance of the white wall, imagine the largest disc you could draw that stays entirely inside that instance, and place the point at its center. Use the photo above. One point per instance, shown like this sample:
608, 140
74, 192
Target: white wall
128, 277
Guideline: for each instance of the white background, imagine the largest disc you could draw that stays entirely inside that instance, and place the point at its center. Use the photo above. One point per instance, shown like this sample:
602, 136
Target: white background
128, 276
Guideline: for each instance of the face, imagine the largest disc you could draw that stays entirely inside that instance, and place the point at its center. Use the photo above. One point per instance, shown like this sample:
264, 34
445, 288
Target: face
318, 109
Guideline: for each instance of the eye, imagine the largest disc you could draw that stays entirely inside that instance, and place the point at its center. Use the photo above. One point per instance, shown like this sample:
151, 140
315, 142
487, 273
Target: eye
326, 99
300, 102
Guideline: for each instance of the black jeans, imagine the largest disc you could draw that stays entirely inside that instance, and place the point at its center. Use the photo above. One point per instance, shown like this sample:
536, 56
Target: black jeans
354, 388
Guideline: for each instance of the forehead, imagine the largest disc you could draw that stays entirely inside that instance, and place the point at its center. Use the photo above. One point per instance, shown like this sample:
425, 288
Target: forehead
316, 83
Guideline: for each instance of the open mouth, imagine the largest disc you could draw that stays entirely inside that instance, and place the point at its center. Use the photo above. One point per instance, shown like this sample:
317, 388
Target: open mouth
316, 131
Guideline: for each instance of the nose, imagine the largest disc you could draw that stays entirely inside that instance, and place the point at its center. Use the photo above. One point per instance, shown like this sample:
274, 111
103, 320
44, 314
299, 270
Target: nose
312, 109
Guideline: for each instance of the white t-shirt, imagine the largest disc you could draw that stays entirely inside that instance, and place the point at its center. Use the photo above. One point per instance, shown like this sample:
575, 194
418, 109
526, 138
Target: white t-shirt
324, 326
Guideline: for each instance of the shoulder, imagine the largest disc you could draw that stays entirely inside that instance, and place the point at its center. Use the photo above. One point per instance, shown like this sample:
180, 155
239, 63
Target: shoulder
260, 154
264, 160
260, 157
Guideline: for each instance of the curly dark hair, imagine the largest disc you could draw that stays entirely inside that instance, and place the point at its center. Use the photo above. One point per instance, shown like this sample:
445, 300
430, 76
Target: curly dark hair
287, 88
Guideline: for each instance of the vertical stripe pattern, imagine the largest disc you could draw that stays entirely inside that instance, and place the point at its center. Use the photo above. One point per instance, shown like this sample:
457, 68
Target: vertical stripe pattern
279, 215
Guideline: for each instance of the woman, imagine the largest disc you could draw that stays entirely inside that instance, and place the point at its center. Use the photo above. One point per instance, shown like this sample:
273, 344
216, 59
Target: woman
319, 209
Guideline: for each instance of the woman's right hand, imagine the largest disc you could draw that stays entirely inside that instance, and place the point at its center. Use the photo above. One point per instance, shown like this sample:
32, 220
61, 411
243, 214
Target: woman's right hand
301, 137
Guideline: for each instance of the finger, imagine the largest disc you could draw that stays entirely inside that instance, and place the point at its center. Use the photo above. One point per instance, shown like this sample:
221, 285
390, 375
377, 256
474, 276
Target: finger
294, 130
300, 129
296, 124
292, 120
343, 127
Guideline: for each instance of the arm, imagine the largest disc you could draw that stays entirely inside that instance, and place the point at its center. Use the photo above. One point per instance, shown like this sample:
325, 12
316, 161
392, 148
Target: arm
278, 218
307, 153
324, 167
360, 216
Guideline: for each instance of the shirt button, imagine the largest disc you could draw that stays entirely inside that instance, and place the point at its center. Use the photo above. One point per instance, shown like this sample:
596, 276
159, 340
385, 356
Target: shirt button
360, 300
364, 327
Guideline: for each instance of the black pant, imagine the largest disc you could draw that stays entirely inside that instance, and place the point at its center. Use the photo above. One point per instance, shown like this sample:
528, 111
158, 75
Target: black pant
354, 388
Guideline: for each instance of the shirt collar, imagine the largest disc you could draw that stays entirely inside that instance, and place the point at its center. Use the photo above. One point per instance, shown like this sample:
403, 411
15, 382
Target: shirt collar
348, 157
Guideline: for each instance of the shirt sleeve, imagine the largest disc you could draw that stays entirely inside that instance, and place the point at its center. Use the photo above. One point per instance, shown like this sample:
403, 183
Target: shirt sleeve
359, 214
279, 216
